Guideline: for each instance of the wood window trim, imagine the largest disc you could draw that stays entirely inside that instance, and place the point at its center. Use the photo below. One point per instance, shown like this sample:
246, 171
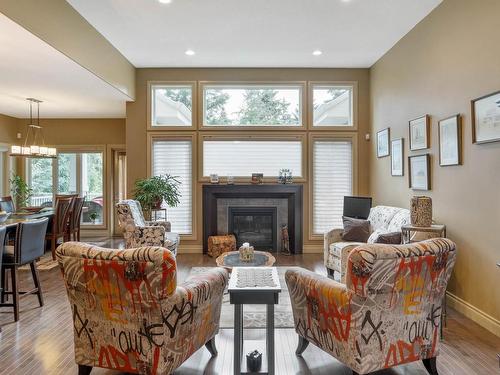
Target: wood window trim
332, 128
344, 136
180, 136
289, 136
194, 106
242, 128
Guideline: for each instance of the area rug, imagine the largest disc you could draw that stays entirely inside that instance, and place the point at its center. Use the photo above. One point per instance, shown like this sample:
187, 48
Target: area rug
254, 316
45, 263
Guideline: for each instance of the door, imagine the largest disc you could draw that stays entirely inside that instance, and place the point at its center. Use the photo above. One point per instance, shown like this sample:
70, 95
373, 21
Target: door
119, 185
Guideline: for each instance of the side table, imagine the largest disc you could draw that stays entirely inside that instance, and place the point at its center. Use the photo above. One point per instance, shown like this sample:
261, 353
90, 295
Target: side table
439, 230
260, 291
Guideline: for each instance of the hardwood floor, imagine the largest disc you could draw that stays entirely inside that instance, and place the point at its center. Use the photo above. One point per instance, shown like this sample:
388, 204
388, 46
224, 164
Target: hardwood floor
42, 341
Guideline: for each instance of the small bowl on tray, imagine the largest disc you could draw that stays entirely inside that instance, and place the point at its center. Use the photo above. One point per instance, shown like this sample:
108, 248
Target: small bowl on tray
4, 216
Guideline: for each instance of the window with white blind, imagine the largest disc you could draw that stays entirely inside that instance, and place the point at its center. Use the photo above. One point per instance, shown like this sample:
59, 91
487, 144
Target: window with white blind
332, 180
174, 157
241, 158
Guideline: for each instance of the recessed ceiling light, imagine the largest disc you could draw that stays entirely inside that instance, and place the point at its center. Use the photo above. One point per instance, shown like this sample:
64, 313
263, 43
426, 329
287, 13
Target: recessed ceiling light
317, 52
189, 52
165, 1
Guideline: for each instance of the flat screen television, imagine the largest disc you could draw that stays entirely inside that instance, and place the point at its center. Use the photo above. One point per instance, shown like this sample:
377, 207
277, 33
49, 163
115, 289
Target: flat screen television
357, 207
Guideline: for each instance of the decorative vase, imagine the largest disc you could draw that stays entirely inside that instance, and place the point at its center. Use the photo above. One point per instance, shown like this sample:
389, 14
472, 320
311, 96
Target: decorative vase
246, 252
421, 211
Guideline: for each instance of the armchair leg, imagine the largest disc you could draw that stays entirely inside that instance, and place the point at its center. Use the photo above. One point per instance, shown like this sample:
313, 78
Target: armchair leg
210, 345
430, 365
301, 346
84, 370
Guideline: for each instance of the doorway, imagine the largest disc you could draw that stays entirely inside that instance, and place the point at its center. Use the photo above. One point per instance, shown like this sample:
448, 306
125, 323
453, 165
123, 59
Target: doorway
119, 190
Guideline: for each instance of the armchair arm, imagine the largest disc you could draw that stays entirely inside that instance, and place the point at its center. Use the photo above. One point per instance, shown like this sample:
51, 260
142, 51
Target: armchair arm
191, 315
321, 310
334, 235
164, 224
149, 236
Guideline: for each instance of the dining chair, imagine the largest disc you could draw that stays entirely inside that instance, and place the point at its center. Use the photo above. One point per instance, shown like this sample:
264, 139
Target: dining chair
59, 222
75, 219
7, 204
29, 245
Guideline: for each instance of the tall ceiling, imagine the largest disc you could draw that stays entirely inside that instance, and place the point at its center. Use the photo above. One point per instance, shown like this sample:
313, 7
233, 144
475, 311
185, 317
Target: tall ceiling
254, 33
31, 68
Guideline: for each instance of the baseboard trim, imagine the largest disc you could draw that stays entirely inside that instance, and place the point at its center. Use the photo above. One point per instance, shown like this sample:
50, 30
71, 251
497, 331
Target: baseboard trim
473, 313
312, 249
190, 249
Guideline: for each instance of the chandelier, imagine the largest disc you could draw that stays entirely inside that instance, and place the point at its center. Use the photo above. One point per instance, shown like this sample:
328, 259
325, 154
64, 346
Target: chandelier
34, 144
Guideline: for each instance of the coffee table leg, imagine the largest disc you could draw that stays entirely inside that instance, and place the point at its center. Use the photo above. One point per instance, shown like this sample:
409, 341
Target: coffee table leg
270, 339
238, 338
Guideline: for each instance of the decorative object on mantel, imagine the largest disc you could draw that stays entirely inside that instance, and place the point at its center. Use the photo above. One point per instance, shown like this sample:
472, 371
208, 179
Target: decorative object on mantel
153, 191
419, 172
285, 176
257, 178
421, 211
419, 133
214, 178
383, 137
246, 252
485, 114
450, 141
285, 240
34, 143
230, 180
218, 245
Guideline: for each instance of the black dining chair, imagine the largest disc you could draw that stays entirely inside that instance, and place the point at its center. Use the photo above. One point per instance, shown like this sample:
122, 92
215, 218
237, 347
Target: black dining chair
29, 245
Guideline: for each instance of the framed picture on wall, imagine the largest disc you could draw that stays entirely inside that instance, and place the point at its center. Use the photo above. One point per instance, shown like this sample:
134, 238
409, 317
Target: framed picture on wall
419, 172
485, 116
397, 163
383, 137
450, 141
419, 133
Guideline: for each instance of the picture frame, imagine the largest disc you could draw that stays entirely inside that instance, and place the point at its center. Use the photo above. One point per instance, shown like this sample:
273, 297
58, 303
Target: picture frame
485, 115
397, 157
450, 141
257, 178
419, 176
418, 133
383, 137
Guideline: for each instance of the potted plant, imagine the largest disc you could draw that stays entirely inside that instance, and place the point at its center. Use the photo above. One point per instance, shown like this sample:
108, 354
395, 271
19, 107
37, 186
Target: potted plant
20, 190
152, 191
93, 216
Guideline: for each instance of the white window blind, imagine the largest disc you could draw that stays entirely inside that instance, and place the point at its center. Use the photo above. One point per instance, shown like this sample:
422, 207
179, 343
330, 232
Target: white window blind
241, 158
174, 157
332, 180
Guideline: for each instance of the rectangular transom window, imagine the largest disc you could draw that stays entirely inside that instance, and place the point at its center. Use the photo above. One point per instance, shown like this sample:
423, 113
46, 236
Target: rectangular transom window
171, 105
332, 105
332, 180
252, 105
174, 157
241, 158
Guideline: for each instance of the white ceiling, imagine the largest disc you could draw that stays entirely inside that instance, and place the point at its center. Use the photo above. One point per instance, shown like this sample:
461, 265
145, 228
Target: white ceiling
254, 33
31, 68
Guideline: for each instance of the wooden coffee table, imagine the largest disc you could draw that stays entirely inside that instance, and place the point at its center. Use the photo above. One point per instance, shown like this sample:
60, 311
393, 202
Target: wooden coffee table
232, 259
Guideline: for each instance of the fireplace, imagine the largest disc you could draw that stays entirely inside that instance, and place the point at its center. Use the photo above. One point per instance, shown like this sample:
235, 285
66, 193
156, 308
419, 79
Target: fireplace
255, 225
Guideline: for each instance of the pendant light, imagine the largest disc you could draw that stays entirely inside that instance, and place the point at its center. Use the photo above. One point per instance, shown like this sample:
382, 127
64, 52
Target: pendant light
34, 143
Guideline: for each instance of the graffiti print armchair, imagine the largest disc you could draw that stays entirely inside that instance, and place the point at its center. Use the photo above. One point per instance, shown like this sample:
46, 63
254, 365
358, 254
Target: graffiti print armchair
388, 313
130, 315
139, 232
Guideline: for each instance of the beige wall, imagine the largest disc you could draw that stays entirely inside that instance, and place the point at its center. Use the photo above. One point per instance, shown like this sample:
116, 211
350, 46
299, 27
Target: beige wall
451, 57
8, 129
137, 123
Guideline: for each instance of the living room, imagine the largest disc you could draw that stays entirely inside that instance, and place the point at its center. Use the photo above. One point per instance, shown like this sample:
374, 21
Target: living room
339, 157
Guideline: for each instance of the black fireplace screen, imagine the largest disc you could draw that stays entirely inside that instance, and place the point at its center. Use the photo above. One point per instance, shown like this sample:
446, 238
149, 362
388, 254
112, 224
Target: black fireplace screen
255, 225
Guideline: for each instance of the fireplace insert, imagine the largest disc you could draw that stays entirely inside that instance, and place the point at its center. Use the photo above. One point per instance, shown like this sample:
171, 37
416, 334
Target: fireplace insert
255, 225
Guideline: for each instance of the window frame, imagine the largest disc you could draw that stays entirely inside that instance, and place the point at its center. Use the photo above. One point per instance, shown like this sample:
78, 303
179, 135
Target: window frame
344, 136
149, 105
179, 136
217, 136
354, 106
303, 107
55, 174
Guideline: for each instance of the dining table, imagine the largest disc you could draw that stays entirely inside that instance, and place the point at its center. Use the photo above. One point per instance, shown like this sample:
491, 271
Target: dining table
20, 217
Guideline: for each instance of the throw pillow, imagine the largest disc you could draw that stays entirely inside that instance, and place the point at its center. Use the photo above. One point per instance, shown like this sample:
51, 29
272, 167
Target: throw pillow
392, 238
357, 230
